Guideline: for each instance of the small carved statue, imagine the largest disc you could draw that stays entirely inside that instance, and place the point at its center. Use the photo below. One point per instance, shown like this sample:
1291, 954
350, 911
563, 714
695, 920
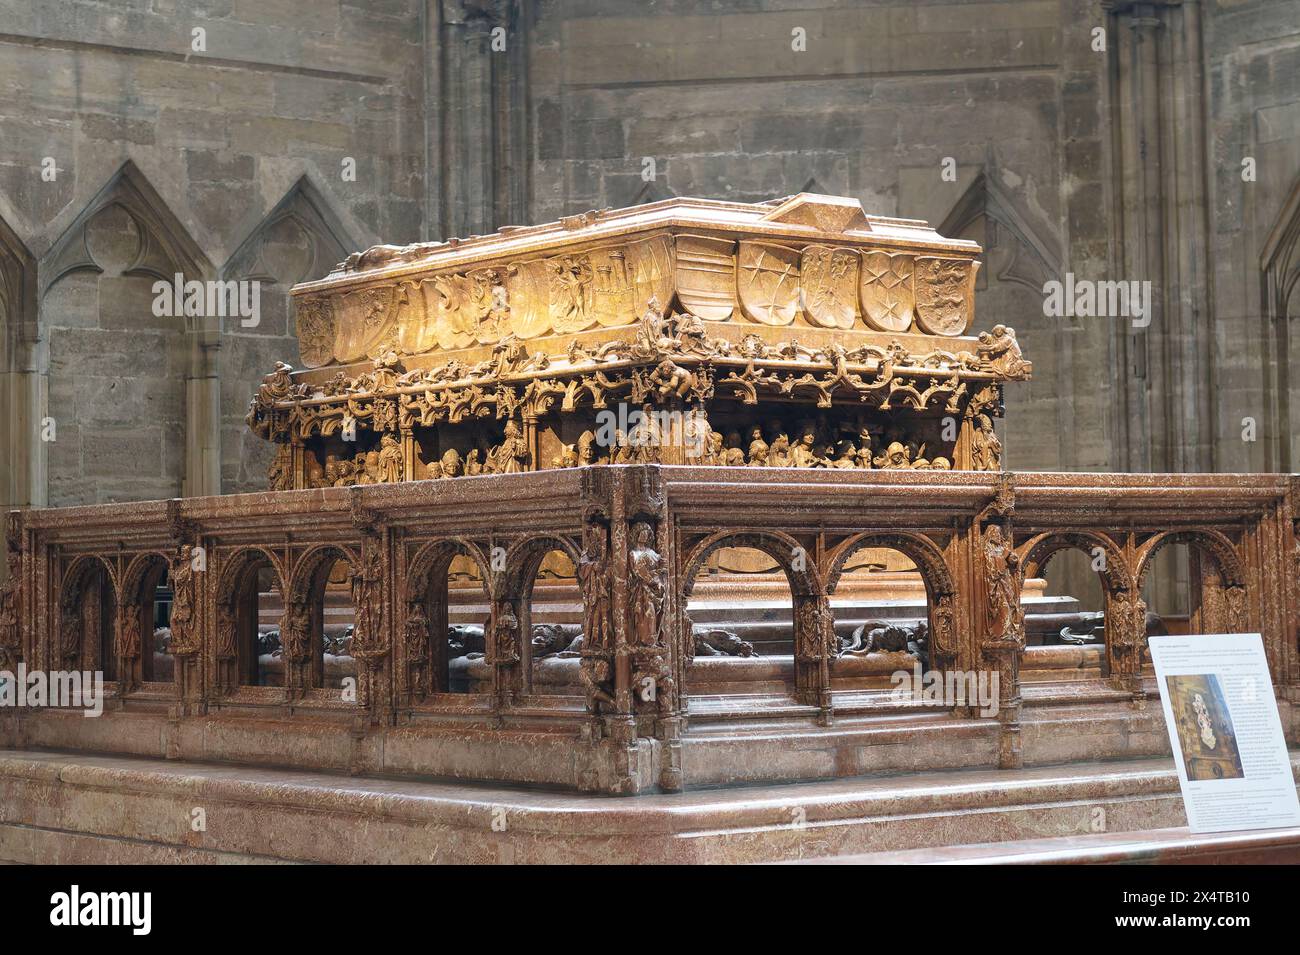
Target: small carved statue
128, 638
505, 636
391, 460
415, 635
295, 644
1002, 576
10, 635
896, 457
986, 446
593, 577
184, 640
647, 586
511, 456
368, 602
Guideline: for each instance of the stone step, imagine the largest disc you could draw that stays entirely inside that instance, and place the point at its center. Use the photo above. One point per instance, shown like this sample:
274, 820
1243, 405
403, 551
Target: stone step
59, 807
1174, 846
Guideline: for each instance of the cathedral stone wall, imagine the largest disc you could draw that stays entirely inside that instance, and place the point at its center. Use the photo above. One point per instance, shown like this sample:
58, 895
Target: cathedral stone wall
224, 163
996, 120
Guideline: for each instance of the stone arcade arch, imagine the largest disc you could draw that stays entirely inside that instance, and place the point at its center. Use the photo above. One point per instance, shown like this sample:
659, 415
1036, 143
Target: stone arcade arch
810, 619
302, 628
1217, 582
134, 648
238, 648
515, 596
85, 634
1125, 613
940, 588
424, 642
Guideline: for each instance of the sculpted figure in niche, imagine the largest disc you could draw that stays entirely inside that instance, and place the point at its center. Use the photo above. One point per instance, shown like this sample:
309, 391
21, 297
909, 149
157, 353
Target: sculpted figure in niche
346, 474
279, 476
567, 458
598, 680
9, 633
801, 455
391, 460
734, 455
647, 585
184, 640
1001, 569
128, 640
846, 456
593, 576
671, 381
986, 447
450, 463
864, 448
716, 454
473, 464
895, 457
587, 452
511, 456
415, 633
505, 636
778, 454
226, 635
295, 644
71, 628
618, 450
758, 448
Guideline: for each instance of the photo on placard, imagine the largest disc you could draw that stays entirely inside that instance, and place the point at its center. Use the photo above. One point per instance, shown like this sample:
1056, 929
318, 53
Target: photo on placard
1204, 726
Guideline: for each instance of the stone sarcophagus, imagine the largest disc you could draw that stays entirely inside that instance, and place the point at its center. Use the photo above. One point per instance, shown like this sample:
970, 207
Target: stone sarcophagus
799, 333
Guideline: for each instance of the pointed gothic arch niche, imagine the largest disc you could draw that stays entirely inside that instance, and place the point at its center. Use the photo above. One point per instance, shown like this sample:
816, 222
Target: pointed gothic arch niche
300, 239
1280, 288
97, 302
1019, 257
19, 394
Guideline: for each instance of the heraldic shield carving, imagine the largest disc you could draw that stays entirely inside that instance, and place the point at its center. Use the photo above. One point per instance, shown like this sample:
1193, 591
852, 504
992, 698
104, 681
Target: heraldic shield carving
945, 295
887, 296
830, 286
768, 284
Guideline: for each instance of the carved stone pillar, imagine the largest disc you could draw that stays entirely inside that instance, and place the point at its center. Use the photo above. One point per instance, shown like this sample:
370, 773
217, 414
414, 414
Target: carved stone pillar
478, 110
814, 639
1126, 626
186, 628
24, 378
11, 595
503, 651
1165, 416
372, 632
295, 647
1003, 632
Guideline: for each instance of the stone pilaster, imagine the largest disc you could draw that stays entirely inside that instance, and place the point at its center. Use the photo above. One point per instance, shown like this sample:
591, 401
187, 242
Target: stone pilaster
477, 97
1165, 418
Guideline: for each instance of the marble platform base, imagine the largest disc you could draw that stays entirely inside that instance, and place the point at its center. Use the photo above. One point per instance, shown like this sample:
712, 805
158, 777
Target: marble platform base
68, 808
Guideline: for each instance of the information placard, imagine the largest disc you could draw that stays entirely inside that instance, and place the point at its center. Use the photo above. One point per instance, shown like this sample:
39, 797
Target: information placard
1227, 737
